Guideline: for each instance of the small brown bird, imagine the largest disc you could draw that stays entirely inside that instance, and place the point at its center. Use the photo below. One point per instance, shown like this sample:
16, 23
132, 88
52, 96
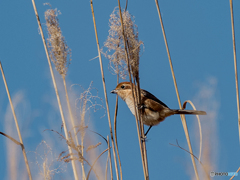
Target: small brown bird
154, 110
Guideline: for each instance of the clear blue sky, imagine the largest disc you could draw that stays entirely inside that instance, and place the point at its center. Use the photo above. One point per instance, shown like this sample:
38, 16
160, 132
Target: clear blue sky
200, 42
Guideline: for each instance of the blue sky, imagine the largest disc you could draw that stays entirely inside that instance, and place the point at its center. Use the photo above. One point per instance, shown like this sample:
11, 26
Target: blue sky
200, 43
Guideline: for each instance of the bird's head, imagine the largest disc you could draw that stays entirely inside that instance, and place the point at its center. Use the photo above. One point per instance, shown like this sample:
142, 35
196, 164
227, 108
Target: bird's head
123, 90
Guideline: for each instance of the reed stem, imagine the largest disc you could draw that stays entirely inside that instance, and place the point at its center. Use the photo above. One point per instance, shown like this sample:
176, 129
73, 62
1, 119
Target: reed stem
16, 123
178, 97
105, 91
142, 144
235, 65
73, 125
56, 90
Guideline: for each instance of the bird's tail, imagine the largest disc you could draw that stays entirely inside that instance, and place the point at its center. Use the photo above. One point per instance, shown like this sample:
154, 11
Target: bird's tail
179, 111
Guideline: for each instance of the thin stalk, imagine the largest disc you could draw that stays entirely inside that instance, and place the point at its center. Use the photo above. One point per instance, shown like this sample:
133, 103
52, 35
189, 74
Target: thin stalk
16, 123
235, 65
110, 159
178, 97
56, 90
136, 113
115, 131
199, 125
140, 113
105, 91
234, 174
73, 124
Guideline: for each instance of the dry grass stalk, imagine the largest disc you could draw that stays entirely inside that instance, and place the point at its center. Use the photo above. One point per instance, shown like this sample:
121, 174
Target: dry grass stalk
110, 160
123, 50
115, 131
48, 166
123, 40
199, 125
60, 55
178, 97
83, 104
235, 65
55, 86
105, 91
234, 175
16, 123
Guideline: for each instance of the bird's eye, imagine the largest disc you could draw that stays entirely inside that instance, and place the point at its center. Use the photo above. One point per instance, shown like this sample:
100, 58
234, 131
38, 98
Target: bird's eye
122, 86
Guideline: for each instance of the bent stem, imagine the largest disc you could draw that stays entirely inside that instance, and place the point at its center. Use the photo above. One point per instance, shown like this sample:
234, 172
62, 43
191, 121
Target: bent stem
105, 91
199, 125
56, 90
16, 123
178, 97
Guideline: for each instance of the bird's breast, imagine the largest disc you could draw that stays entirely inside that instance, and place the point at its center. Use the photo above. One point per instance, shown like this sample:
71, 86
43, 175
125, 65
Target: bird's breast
130, 105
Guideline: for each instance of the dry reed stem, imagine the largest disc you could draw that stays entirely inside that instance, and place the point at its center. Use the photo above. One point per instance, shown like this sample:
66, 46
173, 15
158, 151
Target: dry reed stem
199, 125
95, 162
55, 87
234, 175
61, 56
105, 91
178, 97
73, 125
12, 139
123, 47
235, 65
136, 113
16, 123
110, 160
115, 132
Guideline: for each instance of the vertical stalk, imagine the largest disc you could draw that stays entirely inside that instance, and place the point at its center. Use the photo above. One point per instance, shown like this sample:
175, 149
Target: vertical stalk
115, 131
16, 123
73, 124
178, 97
105, 91
235, 65
56, 90
142, 144
110, 159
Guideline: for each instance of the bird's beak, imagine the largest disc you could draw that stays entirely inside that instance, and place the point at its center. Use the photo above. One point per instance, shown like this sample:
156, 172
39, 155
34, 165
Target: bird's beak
114, 91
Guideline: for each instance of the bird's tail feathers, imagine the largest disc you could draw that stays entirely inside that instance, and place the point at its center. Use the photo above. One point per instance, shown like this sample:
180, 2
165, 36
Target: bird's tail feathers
179, 111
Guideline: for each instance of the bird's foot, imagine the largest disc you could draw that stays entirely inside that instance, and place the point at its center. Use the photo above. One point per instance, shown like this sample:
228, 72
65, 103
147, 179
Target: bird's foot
141, 106
143, 138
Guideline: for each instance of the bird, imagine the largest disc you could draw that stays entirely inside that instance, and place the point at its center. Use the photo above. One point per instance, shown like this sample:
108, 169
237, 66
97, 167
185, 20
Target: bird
153, 111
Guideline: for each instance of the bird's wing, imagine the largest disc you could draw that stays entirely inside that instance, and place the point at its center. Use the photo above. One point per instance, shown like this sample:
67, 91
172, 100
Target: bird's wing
151, 98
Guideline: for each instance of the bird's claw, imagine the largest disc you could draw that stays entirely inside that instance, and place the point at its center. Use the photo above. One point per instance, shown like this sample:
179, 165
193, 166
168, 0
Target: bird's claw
143, 138
141, 106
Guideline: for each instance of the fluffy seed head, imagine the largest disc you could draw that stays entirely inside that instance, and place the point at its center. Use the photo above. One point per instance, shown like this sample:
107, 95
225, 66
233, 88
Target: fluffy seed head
59, 51
115, 44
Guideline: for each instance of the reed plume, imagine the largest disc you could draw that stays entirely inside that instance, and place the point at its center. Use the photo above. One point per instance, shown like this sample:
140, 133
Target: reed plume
115, 44
60, 55
123, 53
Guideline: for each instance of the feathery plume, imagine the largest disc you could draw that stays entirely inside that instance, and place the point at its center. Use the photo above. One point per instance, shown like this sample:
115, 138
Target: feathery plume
115, 44
59, 51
